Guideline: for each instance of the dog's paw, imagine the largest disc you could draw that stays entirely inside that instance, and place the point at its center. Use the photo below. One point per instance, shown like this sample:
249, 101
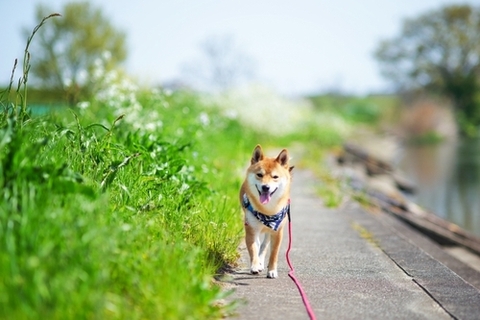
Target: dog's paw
272, 274
256, 269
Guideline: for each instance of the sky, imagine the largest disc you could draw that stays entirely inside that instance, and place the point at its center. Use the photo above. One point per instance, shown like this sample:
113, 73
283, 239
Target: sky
298, 47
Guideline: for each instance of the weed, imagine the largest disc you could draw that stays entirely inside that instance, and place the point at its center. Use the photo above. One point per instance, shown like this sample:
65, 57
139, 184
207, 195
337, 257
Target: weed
19, 107
123, 218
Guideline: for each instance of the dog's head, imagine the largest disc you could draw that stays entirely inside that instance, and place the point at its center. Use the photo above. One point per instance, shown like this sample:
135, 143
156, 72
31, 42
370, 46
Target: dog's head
269, 178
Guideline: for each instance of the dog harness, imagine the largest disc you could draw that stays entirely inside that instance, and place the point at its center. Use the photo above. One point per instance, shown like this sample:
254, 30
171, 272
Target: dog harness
273, 222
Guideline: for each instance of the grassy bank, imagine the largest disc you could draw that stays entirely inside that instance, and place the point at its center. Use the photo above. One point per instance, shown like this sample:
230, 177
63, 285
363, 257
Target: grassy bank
104, 216
123, 207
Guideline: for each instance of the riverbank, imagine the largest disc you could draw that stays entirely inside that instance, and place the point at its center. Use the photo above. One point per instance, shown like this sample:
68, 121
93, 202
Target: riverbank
368, 172
354, 263
447, 176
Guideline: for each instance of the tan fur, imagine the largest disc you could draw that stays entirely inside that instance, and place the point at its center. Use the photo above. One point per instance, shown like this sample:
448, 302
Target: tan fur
275, 174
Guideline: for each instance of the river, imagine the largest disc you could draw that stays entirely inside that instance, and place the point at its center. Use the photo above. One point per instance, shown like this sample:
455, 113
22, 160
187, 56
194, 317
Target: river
447, 177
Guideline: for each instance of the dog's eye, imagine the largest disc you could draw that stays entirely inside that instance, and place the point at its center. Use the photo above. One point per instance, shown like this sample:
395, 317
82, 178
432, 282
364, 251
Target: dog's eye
275, 177
259, 175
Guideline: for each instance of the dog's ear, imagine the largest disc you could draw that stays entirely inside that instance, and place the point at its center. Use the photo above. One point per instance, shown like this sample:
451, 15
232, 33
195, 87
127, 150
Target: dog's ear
282, 158
257, 154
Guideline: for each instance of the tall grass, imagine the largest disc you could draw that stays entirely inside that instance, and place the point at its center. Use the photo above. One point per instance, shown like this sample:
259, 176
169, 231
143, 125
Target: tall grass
107, 220
19, 107
121, 211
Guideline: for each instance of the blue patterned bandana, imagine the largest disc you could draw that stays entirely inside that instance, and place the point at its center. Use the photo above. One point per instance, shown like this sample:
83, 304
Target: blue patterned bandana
273, 222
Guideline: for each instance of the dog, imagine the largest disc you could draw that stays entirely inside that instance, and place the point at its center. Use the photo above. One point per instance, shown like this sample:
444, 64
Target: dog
265, 200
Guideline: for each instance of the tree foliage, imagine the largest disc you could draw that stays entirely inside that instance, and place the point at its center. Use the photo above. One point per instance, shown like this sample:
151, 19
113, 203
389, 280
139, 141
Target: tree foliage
438, 51
68, 49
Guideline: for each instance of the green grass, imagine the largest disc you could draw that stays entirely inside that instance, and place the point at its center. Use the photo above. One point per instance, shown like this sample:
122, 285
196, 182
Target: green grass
430, 137
104, 220
124, 209
370, 110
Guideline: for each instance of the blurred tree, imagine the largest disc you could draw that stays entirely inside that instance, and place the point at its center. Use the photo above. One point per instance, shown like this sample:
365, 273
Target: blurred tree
68, 49
222, 65
440, 52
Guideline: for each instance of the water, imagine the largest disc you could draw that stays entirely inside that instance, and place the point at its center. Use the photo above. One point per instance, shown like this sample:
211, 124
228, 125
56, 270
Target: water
43, 109
447, 177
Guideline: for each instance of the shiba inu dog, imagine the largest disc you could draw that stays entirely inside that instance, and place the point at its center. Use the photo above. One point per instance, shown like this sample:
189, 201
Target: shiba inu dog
265, 199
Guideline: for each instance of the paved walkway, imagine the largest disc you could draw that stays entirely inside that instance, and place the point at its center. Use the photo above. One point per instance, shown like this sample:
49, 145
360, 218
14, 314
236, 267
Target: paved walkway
353, 265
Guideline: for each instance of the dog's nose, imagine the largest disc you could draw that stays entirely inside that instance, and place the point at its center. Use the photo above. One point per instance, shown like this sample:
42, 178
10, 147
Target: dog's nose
265, 188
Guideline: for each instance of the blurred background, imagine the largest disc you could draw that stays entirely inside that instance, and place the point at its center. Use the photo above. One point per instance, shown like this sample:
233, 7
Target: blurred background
297, 48
402, 69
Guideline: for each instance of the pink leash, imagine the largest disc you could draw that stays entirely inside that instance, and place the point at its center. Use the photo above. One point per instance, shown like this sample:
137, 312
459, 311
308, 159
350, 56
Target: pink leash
292, 271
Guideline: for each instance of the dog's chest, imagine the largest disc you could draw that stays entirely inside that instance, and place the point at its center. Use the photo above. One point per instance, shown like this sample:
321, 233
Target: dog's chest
252, 221
262, 226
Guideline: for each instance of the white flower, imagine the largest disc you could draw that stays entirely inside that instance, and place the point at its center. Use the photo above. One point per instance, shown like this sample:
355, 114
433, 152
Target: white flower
184, 187
231, 114
268, 106
150, 126
67, 82
204, 119
82, 76
83, 104
107, 55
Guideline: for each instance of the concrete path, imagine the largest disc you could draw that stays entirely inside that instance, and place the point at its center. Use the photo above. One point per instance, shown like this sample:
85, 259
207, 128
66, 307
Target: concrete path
353, 265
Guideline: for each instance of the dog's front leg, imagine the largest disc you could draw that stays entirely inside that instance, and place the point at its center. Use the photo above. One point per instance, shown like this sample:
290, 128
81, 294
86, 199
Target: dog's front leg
272, 261
252, 241
265, 245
